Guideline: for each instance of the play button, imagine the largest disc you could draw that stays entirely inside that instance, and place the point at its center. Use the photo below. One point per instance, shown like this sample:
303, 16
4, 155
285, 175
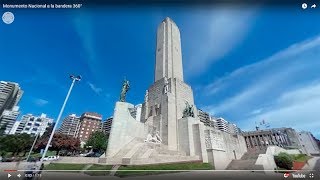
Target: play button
9, 175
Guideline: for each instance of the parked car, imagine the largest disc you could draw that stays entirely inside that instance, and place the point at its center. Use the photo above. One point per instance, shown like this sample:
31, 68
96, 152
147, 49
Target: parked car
51, 158
8, 159
93, 154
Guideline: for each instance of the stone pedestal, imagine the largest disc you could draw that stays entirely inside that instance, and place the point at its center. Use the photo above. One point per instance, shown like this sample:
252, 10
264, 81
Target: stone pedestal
124, 128
191, 137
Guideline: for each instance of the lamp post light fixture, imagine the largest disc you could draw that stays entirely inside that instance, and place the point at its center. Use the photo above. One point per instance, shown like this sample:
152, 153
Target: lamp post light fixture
74, 79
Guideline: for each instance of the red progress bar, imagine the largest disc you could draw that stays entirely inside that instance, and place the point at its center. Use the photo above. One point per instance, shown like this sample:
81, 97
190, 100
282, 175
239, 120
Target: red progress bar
10, 170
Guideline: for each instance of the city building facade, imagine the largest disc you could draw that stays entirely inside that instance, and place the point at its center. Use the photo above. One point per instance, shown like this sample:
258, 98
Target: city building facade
33, 125
107, 124
70, 125
136, 112
282, 137
10, 95
204, 117
89, 123
8, 118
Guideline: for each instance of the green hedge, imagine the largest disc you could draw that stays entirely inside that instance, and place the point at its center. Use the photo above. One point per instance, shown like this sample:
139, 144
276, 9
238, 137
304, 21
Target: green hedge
284, 160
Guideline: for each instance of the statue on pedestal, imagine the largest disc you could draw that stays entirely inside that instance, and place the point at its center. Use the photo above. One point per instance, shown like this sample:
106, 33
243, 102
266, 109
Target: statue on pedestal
124, 90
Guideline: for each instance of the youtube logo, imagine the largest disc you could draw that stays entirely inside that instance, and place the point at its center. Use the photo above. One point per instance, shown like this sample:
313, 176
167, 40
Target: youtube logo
285, 175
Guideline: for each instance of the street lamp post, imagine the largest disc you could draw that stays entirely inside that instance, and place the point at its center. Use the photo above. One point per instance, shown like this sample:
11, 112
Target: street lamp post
34, 142
74, 79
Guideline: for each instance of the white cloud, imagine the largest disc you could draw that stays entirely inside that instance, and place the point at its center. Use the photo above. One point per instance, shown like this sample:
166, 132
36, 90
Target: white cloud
298, 109
256, 111
41, 102
94, 88
268, 77
283, 89
227, 28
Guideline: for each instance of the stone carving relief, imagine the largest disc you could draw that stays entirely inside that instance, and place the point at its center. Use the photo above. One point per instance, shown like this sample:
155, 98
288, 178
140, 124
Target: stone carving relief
153, 138
166, 85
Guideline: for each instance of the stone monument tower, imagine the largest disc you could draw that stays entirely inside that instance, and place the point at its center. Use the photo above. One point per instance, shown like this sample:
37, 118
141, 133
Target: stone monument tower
169, 129
168, 96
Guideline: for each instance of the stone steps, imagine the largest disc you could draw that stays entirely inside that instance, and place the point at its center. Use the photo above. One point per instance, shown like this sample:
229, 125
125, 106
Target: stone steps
139, 152
162, 159
127, 148
129, 156
147, 154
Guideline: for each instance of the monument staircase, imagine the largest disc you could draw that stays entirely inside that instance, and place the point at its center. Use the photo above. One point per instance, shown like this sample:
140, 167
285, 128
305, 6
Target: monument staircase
247, 161
138, 152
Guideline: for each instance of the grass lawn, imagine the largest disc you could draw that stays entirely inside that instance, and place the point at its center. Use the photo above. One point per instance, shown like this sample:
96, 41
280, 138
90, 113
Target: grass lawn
49, 153
135, 170
62, 166
100, 170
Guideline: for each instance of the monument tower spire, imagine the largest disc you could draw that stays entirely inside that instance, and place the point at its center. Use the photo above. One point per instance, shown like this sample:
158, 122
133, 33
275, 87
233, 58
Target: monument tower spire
168, 52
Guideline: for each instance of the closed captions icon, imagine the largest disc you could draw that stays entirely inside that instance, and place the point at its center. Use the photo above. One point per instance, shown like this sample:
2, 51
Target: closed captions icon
304, 6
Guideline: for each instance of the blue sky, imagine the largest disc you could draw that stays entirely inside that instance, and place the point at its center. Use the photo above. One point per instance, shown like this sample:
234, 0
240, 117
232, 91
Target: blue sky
245, 64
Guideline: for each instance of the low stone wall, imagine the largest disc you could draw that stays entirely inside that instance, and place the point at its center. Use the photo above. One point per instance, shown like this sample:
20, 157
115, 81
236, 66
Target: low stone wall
78, 160
267, 159
223, 147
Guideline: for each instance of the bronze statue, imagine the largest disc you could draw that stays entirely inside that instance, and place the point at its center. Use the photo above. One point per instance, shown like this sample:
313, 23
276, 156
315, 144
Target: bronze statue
188, 111
124, 90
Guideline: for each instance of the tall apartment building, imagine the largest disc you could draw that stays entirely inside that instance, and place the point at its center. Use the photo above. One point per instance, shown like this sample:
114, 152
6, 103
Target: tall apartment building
33, 125
107, 125
213, 122
223, 125
10, 95
89, 122
204, 117
8, 118
233, 129
70, 125
136, 112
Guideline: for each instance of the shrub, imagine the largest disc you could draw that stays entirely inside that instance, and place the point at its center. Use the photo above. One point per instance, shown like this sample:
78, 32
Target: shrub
284, 160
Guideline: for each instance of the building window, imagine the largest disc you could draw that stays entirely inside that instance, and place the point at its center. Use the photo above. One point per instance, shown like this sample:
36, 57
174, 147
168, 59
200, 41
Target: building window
81, 132
87, 129
92, 129
88, 125
82, 128
80, 135
86, 136
89, 122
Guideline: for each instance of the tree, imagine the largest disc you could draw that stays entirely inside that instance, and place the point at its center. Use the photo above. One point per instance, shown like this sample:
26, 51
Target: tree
3, 128
59, 142
16, 143
98, 140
